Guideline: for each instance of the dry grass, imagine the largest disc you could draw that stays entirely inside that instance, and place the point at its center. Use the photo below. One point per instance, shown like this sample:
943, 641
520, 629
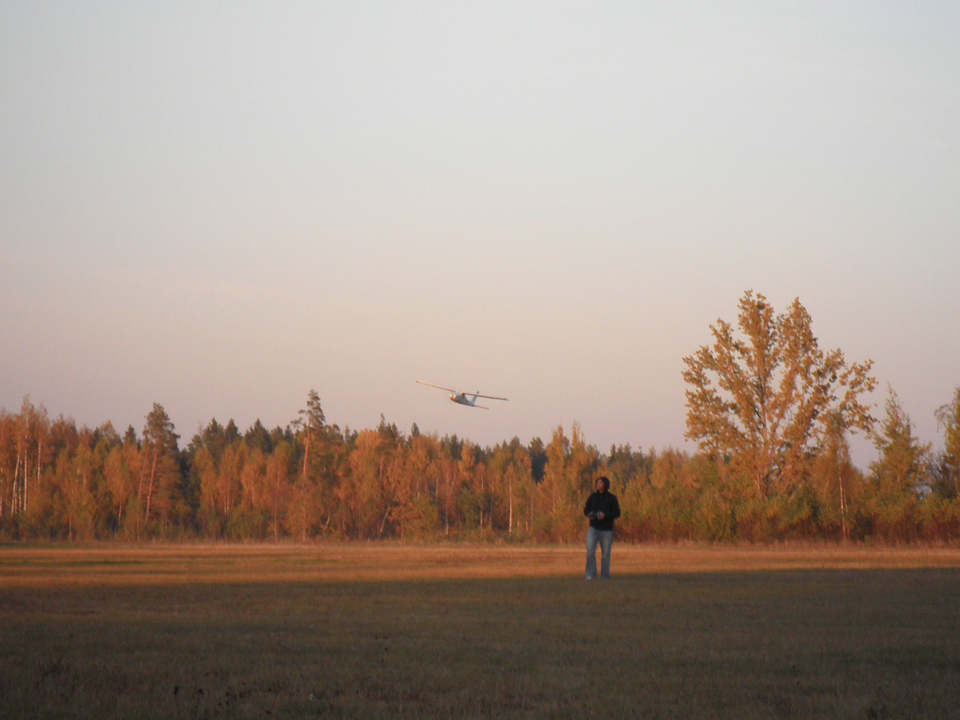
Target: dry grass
373, 631
114, 564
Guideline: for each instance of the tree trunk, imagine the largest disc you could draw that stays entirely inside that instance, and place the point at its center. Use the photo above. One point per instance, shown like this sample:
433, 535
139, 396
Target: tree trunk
15, 500
153, 474
510, 510
843, 503
383, 523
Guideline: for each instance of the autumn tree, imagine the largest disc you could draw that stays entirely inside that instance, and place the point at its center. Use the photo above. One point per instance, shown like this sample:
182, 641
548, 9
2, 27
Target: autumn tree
903, 462
836, 480
647, 484
160, 472
8, 452
948, 465
511, 472
120, 474
470, 472
310, 427
760, 399
364, 500
253, 516
219, 486
76, 476
392, 477
567, 482
419, 515
279, 471
313, 493
899, 474
25, 451
450, 483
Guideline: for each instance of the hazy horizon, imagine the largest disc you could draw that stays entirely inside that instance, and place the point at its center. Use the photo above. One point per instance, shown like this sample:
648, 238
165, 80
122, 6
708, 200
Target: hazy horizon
219, 208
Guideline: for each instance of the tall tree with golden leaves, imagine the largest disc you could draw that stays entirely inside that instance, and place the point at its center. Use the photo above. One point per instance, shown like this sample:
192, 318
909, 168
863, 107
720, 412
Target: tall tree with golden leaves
759, 399
160, 473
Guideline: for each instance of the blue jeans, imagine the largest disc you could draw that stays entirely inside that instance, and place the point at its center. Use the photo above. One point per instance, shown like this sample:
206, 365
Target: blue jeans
605, 539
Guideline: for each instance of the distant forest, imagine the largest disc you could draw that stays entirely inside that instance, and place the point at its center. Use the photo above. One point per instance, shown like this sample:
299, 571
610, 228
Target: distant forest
770, 411
311, 480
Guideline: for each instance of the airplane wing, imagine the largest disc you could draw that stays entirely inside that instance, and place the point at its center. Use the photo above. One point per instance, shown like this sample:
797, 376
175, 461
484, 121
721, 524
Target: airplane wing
437, 386
473, 395
488, 397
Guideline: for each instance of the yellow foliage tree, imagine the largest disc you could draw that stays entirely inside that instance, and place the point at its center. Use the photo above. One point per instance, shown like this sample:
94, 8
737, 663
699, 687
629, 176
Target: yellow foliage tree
759, 400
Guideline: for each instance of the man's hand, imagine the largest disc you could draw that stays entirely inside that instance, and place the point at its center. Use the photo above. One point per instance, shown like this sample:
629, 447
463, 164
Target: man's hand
599, 516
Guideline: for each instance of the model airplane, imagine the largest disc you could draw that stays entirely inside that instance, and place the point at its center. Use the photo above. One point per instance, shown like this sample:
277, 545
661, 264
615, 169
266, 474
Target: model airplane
468, 399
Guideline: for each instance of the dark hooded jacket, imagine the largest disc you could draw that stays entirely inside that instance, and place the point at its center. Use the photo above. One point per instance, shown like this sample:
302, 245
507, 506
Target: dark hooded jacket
605, 502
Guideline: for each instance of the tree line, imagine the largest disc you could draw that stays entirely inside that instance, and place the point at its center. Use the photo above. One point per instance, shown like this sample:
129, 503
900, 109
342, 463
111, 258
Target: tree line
771, 414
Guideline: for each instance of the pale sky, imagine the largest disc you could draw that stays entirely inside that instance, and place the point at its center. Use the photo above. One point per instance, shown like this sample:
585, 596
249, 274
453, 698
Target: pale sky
219, 206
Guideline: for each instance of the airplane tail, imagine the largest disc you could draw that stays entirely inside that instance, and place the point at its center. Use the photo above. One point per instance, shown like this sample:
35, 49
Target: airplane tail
474, 402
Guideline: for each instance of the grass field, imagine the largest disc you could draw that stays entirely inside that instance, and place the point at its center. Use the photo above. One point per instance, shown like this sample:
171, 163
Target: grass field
387, 631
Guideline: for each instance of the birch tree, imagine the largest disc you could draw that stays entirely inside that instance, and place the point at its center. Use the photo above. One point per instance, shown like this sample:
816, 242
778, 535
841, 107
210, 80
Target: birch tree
836, 479
759, 399
121, 477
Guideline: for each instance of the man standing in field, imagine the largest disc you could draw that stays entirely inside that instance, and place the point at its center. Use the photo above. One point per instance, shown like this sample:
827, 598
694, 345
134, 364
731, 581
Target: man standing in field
602, 508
